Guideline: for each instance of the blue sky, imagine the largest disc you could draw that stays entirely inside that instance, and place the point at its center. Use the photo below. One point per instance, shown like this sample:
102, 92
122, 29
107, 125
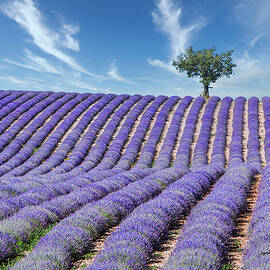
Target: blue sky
125, 46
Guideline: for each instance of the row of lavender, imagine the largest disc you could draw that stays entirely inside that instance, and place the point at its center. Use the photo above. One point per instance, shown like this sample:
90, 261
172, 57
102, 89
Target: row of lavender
13, 155
257, 252
104, 213
203, 240
43, 153
26, 181
81, 149
182, 158
60, 205
32, 196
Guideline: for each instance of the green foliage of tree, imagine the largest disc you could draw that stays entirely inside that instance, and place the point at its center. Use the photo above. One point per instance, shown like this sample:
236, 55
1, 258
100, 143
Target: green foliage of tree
205, 64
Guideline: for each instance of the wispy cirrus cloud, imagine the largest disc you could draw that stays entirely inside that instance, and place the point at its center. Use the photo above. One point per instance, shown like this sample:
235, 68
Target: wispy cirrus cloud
114, 74
167, 18
254, 14
159, 63
87, 86
67, 40
254, 40
27, 15
13, 79
35, 62
250, 71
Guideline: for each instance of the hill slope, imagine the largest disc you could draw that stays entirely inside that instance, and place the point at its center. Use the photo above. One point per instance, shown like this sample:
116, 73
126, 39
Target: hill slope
108, 181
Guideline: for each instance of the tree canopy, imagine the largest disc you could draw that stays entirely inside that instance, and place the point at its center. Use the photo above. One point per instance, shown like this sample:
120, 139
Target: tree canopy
205, 64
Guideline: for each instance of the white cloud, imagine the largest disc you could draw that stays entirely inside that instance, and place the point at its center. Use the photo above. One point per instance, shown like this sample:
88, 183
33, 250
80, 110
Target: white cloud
167, 18
248, 71
77, 74
84, 85
179, 89
20, 64
26, 14
150, 79
35, 62
114, 74
68, 41
12, 80
41, 63
161, 64
253, 41
255, 15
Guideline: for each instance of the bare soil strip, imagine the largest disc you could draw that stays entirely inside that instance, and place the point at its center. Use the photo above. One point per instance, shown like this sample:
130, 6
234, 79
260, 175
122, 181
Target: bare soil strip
197, 131
261, 134
229, 134
238, 241
181, 129
88, 258
169, 241
245, 132
213, 132
165, 129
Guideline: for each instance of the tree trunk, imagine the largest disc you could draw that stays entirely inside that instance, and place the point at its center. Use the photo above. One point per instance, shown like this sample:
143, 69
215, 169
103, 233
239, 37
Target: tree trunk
206, 91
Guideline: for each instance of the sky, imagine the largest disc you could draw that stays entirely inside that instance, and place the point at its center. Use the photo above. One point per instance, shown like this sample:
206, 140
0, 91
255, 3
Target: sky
128, 47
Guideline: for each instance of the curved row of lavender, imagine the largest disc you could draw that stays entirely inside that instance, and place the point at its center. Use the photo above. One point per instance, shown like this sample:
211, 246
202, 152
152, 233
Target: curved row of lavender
253, 145
11, 205
106, 212
99, 121
111, 107
203, 241
236, 146
257, 252
219, 145
131, 244
201, 149
53, 139
95, 178
164, 158
58, 190
33, 195
13, 155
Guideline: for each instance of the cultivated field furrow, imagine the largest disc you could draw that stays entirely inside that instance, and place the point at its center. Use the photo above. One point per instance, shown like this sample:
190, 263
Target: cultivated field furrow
245, 132
229, 134
261, 133
213, 132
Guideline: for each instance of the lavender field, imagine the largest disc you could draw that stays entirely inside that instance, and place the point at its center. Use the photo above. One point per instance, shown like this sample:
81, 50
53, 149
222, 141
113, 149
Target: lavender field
105, 181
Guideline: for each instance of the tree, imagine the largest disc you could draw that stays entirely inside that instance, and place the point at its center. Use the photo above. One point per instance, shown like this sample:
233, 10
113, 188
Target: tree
205, 64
